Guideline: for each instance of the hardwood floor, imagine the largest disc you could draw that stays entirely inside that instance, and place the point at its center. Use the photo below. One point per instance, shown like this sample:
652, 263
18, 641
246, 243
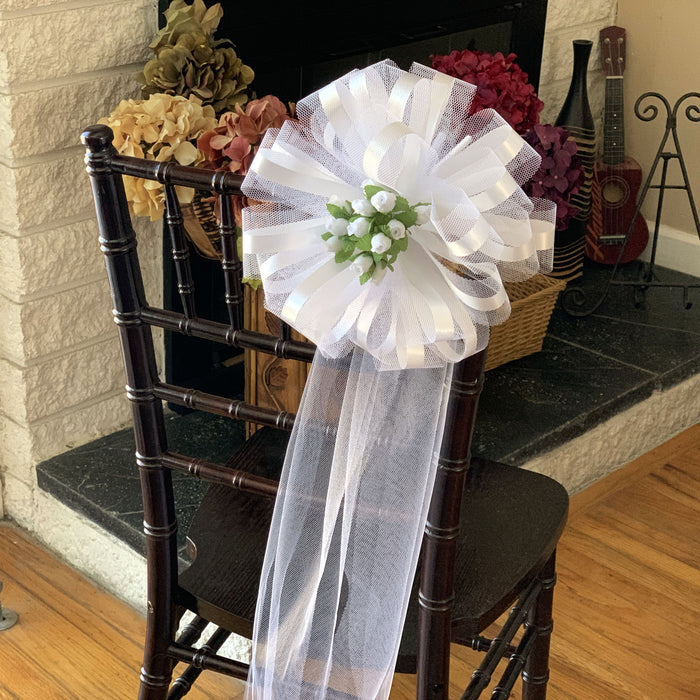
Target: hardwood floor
627, 605
63, 647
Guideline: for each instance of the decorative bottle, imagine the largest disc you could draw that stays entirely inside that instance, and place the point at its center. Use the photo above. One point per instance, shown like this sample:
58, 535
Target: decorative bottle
576, 117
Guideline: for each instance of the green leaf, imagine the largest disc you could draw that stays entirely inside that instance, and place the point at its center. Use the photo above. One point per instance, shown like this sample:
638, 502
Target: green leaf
377, 258
403, 243
365, 243
401, 204
395, 248
326, 235
407, 218
381, 219
342, 255
349, 243
337, 212
371, 190
367, 276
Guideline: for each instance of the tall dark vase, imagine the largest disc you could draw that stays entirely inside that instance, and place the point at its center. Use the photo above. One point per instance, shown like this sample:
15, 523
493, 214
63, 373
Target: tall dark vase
576, 117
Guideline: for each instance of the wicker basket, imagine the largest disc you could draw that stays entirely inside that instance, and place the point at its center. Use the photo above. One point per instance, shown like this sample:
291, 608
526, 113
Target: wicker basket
532, 303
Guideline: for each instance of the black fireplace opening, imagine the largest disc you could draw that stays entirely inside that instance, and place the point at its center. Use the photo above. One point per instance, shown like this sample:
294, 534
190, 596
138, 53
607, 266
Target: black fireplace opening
300, 47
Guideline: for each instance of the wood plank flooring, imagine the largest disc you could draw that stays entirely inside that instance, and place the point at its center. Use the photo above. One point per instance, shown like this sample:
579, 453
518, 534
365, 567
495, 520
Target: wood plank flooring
73, 641
627, 605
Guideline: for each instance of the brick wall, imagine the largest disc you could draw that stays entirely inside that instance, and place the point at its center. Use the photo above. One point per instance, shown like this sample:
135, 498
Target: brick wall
566, 21
64, 64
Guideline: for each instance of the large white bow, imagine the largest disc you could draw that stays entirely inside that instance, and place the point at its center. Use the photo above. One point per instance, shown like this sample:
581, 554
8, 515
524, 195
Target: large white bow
408, 133
375, 296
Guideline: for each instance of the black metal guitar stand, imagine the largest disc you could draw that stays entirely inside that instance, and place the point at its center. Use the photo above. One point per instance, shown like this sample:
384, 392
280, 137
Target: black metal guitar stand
574, 298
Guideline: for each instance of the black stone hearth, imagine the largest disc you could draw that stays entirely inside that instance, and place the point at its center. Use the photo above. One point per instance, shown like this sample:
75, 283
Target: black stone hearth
589, 370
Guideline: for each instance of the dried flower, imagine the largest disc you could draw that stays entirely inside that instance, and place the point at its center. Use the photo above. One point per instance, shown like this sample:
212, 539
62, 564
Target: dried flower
163, 127
182, 18
560, 174
233, 143
501, 85
188, 61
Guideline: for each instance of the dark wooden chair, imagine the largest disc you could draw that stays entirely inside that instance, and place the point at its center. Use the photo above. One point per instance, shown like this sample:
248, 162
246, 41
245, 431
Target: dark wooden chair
492, 529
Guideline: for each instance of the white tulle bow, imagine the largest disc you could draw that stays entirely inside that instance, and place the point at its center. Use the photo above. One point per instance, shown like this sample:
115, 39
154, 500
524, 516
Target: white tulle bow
427, 220
408, 133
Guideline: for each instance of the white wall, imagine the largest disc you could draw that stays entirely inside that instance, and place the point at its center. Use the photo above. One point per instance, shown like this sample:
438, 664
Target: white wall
62, 66
662, 57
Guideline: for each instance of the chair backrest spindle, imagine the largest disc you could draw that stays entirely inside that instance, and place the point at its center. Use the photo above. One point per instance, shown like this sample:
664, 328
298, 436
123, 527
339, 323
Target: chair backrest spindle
180, 252
118, 243
231, 263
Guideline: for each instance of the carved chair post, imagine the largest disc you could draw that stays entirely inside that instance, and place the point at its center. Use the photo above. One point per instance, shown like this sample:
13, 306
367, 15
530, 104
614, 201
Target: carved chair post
118, 243
436, 596
536, 672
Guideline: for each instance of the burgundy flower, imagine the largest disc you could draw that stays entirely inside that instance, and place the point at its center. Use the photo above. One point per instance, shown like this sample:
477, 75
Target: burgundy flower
560, 174
501, 85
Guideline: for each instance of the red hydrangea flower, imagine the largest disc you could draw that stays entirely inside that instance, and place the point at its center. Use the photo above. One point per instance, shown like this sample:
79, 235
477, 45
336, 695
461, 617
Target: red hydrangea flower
501, 85
560, 174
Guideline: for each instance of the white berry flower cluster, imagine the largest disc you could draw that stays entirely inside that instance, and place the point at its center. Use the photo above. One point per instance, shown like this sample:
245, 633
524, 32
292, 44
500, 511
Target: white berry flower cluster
371, 231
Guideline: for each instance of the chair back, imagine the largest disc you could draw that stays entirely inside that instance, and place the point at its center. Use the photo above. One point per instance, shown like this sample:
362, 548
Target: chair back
135, 317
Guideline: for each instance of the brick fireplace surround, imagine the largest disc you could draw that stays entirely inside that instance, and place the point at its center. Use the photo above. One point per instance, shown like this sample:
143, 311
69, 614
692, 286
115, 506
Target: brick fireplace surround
59, 390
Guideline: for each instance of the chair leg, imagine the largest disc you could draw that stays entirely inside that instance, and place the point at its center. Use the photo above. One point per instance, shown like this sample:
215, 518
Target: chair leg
162, 615
155, 679
157, 669
536, 672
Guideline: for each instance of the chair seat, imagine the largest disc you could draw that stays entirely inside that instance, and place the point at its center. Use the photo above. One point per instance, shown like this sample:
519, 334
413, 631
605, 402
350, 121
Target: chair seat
511, 520
228, 534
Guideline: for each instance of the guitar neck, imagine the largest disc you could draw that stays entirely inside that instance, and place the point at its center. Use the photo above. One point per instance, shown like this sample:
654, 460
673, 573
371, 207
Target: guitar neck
613, 122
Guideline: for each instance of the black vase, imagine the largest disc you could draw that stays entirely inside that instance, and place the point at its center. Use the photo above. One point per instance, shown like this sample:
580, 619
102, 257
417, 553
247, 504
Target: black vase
576, 117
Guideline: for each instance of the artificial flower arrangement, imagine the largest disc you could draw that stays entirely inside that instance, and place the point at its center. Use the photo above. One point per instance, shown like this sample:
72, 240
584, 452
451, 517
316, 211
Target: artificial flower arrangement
189, 61
501, 85
560, 174
191, 79
371, 231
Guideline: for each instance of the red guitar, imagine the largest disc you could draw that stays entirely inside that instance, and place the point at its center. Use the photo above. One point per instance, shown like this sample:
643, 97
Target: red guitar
616, 177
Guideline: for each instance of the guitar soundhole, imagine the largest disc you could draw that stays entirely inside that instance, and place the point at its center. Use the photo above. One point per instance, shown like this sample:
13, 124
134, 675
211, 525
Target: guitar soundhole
615, 192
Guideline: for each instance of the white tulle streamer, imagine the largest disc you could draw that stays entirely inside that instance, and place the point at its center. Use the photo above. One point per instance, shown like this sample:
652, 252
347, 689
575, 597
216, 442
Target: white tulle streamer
360, 467
344, 544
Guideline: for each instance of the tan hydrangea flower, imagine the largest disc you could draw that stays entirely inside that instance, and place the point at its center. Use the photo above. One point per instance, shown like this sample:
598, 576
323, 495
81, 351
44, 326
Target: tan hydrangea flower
163, 127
